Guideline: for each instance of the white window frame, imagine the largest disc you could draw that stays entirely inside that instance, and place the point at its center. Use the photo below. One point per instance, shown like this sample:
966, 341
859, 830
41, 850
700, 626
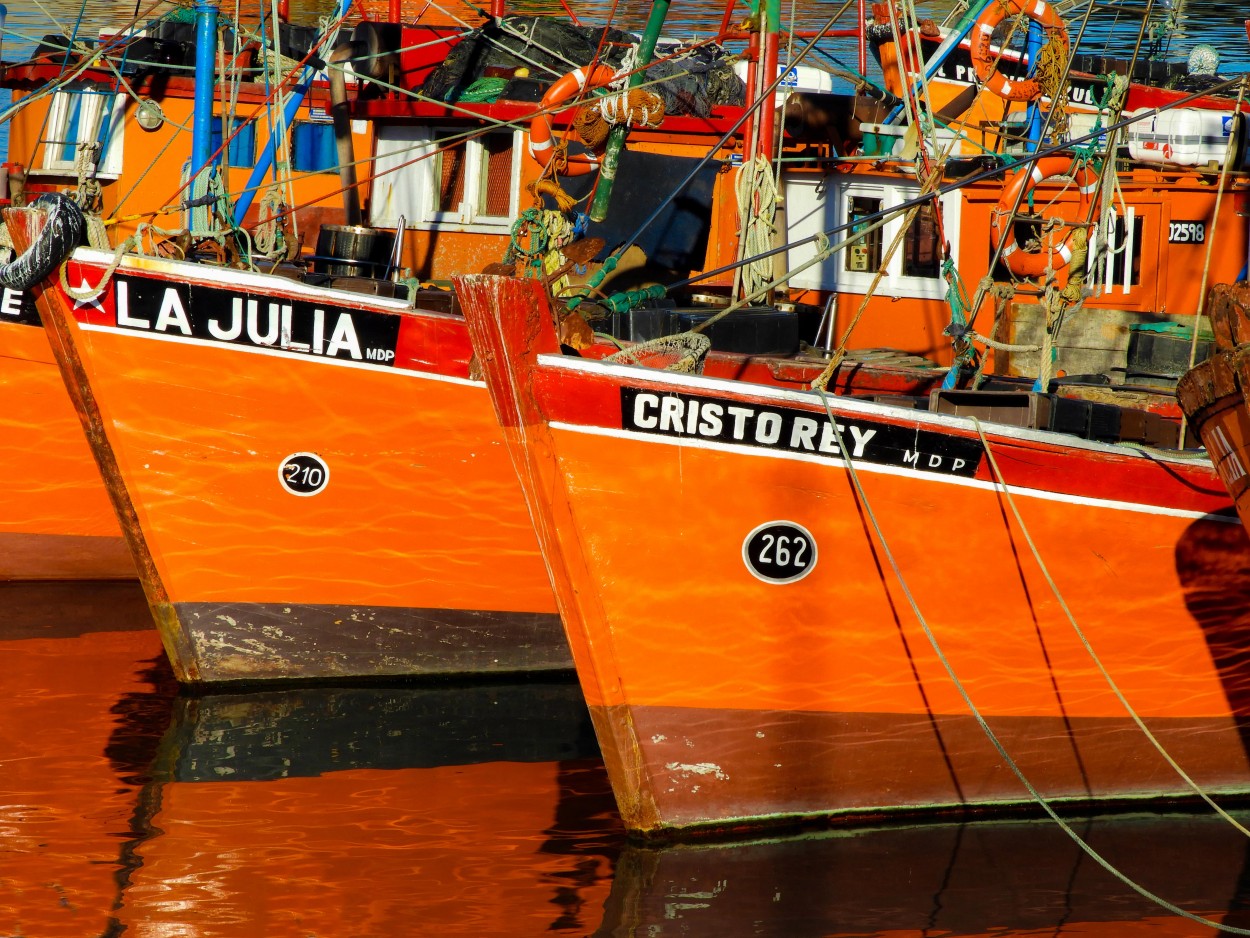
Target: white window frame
91, 114
820, 203
408, 175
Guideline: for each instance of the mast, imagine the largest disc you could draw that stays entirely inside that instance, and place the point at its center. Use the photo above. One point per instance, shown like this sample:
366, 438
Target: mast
205, 84
616, 137
293, 103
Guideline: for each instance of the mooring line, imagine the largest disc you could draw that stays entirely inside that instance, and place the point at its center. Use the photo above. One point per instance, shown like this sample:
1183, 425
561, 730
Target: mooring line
981, 721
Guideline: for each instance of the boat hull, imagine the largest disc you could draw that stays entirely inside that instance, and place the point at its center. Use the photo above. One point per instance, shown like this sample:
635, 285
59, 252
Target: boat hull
863, 681
342, 508
56, 522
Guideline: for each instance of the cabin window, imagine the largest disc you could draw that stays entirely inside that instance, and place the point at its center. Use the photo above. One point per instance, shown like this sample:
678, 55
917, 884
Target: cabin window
241, 150
863, 255
82, 117
443, 177
313, 149
922, 253
476, 176
843, 208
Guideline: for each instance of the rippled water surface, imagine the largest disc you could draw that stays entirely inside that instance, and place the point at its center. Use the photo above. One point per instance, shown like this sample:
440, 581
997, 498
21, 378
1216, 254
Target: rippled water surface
478, 810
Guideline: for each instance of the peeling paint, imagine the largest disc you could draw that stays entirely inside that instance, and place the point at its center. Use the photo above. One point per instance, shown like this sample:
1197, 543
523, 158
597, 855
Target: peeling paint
698, 768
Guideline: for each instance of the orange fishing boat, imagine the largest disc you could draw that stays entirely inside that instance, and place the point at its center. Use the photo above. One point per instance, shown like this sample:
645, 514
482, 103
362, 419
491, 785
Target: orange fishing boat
1103, 589
246, 587
317, 487
311, 481
130, 101
813, 656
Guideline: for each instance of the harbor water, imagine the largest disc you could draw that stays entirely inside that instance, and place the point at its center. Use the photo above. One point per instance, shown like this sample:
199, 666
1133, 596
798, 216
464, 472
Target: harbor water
131, 807
476, 809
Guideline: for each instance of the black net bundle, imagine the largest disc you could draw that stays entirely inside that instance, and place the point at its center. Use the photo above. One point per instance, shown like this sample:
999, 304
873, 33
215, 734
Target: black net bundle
547, 47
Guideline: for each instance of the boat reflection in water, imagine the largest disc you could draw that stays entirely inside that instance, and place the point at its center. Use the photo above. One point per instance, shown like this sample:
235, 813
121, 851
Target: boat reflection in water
1021, 877
478, 809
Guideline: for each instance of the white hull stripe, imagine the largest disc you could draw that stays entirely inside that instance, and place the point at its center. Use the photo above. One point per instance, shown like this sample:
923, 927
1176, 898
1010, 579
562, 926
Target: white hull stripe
278, 353
873, 468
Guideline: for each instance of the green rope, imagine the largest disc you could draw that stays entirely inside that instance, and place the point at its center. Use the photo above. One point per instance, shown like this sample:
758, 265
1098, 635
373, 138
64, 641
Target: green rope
530, 221
976, 713
596, 278
628, 299
957, 298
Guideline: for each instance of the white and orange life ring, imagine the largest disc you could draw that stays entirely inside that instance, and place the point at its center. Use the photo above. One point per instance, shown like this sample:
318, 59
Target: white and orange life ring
568, 86
984, 60
1032, 264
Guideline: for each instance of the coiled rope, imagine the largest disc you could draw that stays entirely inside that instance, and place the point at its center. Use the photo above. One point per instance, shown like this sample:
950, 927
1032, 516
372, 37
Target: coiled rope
757, 209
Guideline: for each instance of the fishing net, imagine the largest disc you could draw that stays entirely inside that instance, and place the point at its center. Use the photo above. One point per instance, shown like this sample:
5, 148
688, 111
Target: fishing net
684, 352
533, 51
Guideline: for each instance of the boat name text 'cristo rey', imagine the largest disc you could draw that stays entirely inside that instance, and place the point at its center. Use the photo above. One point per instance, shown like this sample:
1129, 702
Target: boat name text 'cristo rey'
793, 430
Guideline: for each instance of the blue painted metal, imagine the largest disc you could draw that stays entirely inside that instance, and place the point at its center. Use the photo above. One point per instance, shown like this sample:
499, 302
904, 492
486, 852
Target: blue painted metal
1033, 114
205, 84
266, 160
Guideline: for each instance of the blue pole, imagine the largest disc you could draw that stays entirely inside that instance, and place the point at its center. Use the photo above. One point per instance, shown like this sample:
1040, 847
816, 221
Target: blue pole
205, 84
1032, 46
267, 157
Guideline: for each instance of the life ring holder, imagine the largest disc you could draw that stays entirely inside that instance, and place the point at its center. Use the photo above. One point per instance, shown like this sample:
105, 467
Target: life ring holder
541, 146
64, 230
985, 62
1026, 263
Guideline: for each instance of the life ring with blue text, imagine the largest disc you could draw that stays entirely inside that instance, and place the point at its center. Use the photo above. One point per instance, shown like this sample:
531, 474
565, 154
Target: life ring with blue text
985, 60
541, 146
1029, 263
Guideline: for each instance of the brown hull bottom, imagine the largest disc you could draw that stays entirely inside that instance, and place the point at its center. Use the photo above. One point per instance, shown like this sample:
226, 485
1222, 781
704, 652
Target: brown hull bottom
293, 641
64, 557
769, 768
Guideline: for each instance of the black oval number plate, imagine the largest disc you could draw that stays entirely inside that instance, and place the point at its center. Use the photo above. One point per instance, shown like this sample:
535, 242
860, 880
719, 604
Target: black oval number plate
303, 474
780, 552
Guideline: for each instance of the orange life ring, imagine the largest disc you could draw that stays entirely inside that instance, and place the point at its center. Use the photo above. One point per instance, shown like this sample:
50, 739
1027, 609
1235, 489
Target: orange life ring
1027, 263
568, 86
984, 61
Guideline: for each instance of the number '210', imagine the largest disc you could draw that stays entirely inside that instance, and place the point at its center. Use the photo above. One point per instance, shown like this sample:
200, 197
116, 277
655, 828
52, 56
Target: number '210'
302, 475
782, 556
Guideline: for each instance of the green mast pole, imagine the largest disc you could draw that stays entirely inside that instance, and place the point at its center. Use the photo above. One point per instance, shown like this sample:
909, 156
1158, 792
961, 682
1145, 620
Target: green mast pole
616, 137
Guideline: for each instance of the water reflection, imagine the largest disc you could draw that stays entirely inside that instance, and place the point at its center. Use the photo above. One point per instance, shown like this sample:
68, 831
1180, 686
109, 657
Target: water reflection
473, 810
127, 808
975, 879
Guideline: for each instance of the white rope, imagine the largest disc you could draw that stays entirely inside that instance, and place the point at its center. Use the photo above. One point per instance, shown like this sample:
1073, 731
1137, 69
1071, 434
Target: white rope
757, 207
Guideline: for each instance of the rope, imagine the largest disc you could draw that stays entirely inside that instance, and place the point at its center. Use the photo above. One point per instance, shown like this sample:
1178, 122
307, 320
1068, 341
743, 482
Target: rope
757, 207
268, 236
1051, 75
976, 713
1054, 588
688, 351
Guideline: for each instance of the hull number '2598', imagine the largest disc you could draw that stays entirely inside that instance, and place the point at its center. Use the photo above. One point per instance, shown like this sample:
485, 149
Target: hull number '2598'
779, 552
304, 474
